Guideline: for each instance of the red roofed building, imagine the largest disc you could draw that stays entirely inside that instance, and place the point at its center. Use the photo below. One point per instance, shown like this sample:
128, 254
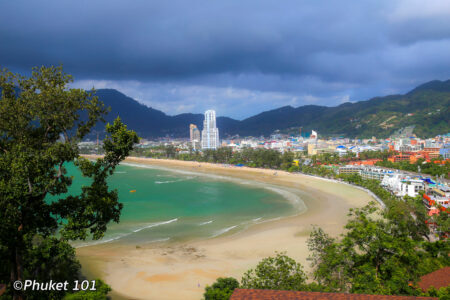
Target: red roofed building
399, 157
367, 162
251, 294
430, 153
437, 279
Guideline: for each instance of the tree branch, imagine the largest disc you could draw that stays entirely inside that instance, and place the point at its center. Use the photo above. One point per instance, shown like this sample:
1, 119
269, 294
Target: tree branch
66, 136
30, 188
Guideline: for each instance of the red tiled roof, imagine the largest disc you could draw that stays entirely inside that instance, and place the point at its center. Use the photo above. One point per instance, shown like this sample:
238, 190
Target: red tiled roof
438, 279
250, 294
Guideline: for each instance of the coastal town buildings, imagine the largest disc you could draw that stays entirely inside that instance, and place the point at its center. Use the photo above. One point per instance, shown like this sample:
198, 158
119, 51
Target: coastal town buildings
445, 151
349, 156
402, 185
436, 197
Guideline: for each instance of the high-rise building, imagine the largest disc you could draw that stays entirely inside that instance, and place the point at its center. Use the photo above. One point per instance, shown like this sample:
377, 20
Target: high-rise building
194, 135
210, 133
191, 131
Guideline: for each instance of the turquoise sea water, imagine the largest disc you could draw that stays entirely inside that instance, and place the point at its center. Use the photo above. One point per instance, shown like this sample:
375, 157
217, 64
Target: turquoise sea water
170, 205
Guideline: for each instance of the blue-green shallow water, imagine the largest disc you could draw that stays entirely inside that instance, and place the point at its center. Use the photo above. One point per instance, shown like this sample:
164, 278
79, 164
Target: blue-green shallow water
178, 206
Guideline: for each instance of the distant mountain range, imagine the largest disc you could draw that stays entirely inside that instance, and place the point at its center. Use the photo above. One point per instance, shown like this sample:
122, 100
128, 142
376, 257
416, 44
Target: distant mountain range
427, 107
149, 122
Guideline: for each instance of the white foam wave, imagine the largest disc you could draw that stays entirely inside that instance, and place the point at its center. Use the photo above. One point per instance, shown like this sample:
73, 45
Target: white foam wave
119, 236
155, 224
291, 197
102, 241
120, 172
225, 230
116, 238
168, 181
274, 219
171, 181
139, 165
207, 222
256, 220
160, 240
113, 238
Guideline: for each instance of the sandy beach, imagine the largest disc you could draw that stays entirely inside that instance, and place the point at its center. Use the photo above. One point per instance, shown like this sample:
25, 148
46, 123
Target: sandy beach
181, 271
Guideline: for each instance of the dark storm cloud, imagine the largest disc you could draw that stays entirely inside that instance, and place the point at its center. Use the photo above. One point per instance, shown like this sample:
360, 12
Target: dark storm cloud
175, 55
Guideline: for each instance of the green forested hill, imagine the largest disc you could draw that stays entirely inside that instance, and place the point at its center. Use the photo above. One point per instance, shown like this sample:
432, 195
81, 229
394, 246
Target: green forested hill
427, 110
427, 107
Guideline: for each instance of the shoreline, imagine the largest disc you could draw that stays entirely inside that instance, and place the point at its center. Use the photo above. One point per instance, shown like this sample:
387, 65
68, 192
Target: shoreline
175, 271
380, 202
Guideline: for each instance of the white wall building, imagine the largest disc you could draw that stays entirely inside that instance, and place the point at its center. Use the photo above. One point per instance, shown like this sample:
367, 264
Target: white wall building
392, 182
210, 133
402, 185
411, 187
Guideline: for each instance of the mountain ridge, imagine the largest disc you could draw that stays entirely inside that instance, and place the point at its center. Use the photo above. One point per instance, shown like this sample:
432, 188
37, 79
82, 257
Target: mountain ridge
426, 107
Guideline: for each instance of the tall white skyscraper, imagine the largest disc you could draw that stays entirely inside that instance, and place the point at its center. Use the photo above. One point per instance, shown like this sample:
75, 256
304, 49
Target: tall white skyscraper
210, 133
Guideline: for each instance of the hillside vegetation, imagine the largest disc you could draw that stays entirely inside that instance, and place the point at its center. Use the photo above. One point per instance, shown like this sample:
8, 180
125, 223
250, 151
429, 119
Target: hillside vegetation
426, 107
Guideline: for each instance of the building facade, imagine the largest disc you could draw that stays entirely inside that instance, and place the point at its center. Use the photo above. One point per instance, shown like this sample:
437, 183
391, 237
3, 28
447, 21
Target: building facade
191, 131
373, 173
445, 151
349, 170
210, 133
194, 135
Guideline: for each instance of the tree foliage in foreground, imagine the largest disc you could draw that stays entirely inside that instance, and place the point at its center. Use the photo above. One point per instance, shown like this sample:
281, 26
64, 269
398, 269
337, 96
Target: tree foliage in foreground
221, 289
377, 254
278, 273
380, 252
41, 122
102, 289
443, 293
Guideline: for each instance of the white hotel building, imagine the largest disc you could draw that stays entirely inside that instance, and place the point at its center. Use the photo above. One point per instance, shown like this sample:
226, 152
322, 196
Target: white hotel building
210, 133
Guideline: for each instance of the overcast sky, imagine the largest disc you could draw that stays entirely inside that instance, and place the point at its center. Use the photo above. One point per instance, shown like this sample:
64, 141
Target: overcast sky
238, 57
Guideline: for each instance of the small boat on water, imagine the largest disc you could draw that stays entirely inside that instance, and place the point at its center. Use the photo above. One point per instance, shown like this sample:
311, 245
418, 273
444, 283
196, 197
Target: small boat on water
133, 191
